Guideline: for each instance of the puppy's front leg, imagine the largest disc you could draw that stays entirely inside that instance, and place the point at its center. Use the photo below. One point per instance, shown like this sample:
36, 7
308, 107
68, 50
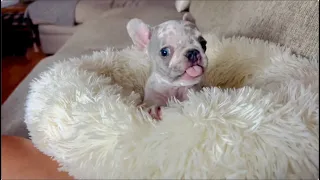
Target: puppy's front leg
155, 112
153, 102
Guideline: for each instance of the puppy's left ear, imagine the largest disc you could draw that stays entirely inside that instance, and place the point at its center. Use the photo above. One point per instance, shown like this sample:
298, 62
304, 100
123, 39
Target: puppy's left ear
188, 17
139, 32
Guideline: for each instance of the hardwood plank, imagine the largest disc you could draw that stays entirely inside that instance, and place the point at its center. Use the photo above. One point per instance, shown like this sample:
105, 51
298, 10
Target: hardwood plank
15, 69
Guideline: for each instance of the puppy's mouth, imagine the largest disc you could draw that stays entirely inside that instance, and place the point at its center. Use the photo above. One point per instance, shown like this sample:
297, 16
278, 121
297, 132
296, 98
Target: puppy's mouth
194, 69
192, 72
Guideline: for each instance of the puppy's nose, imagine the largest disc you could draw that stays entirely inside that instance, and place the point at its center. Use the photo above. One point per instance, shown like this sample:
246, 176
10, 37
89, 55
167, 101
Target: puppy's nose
193, 55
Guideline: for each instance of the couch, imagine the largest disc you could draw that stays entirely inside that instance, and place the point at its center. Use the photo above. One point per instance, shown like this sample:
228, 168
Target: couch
54, 36
290, 23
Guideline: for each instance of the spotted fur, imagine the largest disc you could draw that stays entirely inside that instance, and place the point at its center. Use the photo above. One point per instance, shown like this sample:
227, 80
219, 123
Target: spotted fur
165, 80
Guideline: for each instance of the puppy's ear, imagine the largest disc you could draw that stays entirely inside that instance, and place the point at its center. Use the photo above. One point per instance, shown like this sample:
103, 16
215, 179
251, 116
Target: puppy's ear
139, 32
188, 17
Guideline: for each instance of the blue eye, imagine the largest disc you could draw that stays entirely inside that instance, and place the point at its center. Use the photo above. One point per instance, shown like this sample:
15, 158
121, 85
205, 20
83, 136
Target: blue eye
165, 52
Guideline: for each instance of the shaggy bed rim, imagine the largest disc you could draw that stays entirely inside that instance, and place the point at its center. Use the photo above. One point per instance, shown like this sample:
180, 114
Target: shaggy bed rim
262, 123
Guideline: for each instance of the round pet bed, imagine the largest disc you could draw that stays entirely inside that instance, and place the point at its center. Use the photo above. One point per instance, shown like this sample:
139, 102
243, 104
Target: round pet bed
256, 118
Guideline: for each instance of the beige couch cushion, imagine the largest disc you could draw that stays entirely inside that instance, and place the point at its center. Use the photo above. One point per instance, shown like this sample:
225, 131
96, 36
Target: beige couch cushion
91, 9
54, 29
109, 30
291, 23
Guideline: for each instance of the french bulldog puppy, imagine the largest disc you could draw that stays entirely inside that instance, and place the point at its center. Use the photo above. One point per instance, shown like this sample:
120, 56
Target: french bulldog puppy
176, 50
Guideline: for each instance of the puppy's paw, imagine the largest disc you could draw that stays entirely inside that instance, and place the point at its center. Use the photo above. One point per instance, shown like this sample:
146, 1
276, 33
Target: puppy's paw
155, 112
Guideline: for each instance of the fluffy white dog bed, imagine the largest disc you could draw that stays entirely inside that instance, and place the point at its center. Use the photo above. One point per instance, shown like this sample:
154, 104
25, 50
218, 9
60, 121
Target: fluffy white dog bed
263, 123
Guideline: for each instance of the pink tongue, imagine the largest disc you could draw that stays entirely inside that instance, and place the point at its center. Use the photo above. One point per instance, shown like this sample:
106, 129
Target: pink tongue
194, 71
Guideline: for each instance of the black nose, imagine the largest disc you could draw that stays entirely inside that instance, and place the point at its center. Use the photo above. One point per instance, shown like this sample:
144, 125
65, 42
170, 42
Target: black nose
193, 55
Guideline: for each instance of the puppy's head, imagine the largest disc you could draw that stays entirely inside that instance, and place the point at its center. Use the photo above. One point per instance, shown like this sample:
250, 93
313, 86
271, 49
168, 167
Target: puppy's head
176, 49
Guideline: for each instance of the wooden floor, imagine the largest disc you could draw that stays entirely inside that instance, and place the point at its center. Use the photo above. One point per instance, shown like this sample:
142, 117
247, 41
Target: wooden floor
15, 69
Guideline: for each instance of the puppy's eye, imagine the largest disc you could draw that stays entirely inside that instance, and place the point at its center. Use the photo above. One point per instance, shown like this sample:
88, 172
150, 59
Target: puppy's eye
203, 43
164, 52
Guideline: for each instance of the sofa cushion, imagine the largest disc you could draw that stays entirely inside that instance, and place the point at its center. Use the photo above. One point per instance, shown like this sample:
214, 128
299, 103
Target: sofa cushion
109, 30
86, 10
90, 9
54, 29
291, 23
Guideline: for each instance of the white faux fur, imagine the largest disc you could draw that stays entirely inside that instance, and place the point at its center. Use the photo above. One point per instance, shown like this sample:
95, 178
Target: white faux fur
263, 123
